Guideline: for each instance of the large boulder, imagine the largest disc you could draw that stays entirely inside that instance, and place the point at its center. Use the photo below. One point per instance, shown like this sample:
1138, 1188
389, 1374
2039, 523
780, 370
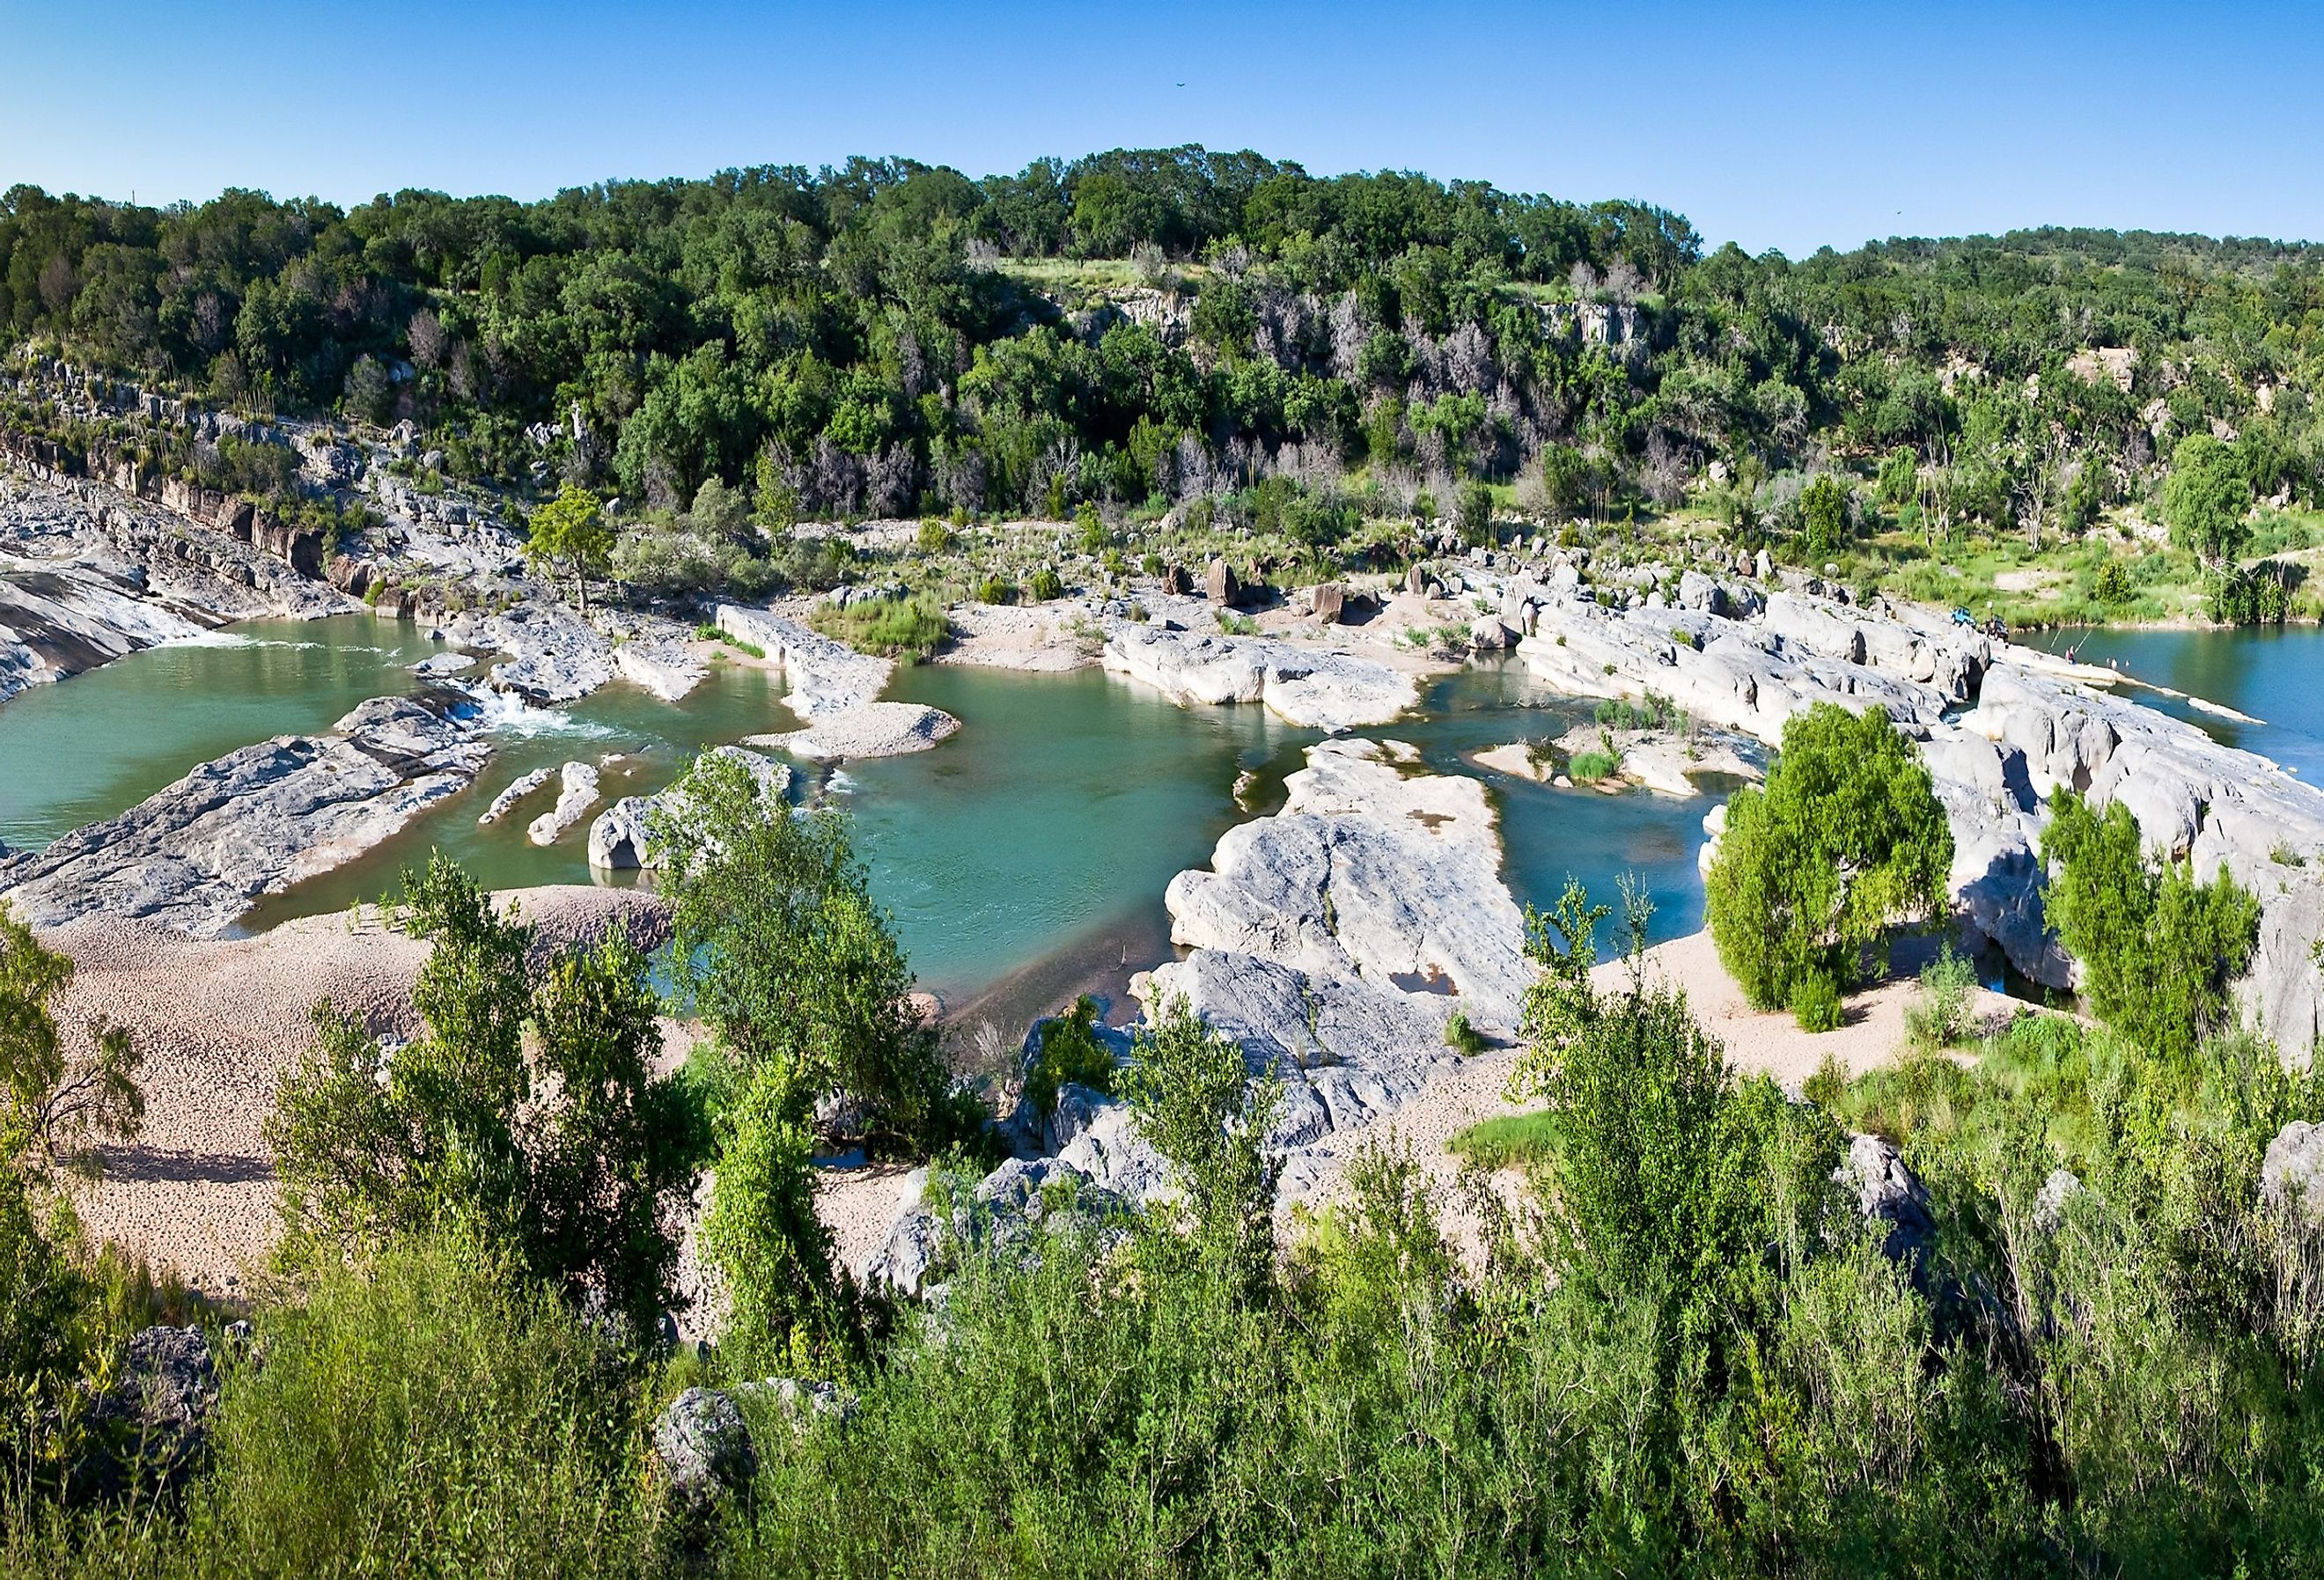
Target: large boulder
2291, 1174
703, 1451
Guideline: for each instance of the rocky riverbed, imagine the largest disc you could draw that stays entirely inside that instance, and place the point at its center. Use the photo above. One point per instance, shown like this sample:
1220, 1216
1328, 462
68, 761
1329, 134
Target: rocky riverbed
194, 856
1999, 727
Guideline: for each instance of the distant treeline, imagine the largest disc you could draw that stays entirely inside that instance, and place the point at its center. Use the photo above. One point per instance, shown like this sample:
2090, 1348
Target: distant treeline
890, 336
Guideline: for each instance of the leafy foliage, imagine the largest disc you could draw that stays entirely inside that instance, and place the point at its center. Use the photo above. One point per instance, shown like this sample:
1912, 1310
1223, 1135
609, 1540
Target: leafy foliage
1844, 842
2157, 949
1069, 1051
526, 1113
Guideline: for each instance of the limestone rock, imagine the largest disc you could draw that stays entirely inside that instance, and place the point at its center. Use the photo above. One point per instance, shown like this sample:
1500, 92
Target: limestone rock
577, 793
196, 854
1322, 690
152, 1425
2291, 1174
875, 729
524, 785
703, 1451
825, 676
1220, 586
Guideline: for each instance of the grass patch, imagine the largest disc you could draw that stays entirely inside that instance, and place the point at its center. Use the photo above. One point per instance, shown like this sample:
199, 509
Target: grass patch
1591, 767
706, 632
910, 629
1507, 1140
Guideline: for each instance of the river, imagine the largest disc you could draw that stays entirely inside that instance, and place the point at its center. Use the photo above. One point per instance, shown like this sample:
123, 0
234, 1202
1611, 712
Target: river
1023, 859
2274, 674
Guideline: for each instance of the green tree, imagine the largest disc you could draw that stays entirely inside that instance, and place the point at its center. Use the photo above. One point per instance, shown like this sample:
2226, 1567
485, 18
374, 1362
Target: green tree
1823, 515
790, 962
2158, 950
2206, 498
1900, 477
1192, 1098
1845, 840
55, 1107
526, 1111
569, 535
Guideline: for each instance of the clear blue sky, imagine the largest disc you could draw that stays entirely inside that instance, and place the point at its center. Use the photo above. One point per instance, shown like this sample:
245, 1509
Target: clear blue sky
1789, 125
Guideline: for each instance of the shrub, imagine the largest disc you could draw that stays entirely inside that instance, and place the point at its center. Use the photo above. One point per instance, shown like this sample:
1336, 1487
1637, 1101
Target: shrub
996, 589
2112, 584
1461, 1037
1234, 625
1069, 1051
435, 1403
1847, 796
933, 537
1940, 1017
1815, 1002
1589, 767
1044, 585
2158, 949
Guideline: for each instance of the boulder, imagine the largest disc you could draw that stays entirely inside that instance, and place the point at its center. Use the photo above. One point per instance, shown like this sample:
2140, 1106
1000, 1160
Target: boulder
577, 793
1326, 601
1175, 582
2292, 1173
1888, 1194
876, 729
1220, 585
1322, 690
150, 1427
703, 1451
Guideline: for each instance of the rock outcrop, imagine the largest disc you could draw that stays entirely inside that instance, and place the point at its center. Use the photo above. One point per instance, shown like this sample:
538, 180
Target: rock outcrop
577, 792
524, 785
1334, 939
620, 839
150, 1427
824, 677
875, 729
194, 855
1321, 690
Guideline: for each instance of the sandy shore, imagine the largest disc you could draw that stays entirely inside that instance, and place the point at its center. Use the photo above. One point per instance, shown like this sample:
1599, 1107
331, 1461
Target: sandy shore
219, 1021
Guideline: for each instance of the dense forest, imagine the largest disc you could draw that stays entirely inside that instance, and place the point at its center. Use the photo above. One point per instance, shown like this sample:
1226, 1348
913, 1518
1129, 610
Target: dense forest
1134, 329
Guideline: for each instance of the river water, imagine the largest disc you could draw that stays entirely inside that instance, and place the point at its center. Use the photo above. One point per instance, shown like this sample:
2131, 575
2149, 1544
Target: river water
2275, 675
1023, 859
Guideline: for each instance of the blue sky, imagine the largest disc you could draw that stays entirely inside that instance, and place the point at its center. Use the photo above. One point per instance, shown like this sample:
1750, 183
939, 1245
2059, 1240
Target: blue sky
1787, 126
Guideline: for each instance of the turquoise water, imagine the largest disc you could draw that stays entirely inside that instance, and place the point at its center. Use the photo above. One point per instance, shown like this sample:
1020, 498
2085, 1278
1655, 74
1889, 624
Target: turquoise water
86, 748
2274, 675
1024, 859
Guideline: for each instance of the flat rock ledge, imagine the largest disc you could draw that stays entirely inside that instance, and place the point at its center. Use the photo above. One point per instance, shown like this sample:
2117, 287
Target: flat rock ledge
1333, 941
193, 856
824, 677
2000, 727
876, 729
1319, 691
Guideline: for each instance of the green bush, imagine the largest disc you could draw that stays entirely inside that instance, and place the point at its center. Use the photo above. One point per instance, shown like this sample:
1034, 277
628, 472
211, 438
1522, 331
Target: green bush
1847, 795
996, 589
2158, 949
1462, 1038
1589, 767
1816, 1003
1069, 1051
1044, 585
1938, 1018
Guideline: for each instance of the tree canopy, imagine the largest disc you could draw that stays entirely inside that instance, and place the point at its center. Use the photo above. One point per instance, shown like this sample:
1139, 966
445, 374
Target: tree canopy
1845, 840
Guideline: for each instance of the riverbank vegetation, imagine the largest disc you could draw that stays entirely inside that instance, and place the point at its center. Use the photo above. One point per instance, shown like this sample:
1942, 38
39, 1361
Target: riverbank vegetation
2050, 425
2030, 1312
